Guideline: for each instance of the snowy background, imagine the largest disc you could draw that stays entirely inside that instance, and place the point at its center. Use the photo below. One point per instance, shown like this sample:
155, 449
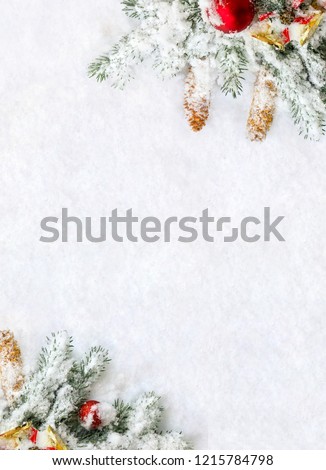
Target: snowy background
233, 336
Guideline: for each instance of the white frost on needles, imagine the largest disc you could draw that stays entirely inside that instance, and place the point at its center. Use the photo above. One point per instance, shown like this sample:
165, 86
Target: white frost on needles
40, 389
142, 431
174, 34
53, 394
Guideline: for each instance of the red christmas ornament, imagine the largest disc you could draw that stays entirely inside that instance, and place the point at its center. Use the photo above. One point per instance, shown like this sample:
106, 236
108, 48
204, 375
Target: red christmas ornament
89, 415
231, 16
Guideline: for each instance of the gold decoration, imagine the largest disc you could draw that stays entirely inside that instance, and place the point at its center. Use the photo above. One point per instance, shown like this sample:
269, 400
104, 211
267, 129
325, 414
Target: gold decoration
11, 375
55, 440
20, 438
262, 109
266, 32
279, 31
306, 31
196, 101
12, 438
17, 432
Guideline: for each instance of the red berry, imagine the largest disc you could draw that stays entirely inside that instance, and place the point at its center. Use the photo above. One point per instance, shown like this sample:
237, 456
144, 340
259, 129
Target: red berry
89, 415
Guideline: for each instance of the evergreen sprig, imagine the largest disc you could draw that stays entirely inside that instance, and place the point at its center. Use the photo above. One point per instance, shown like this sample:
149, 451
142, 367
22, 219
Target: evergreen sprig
98, 68
303, 97
123, 410
266, 6
135, 8
233, 63
175, 35
129, 7
87, 371
53, 393
193, 10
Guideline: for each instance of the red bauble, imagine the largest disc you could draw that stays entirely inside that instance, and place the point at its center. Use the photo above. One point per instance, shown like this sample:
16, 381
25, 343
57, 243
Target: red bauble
231, 16
89, 415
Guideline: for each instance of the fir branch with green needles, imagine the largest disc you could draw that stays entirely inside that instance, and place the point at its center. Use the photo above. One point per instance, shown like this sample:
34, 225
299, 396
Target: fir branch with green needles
84, 373
40, 389
193, 10
233, 63
178, 35
130, 8
57, 394
266, 6
123, 410
57, 345
99, 67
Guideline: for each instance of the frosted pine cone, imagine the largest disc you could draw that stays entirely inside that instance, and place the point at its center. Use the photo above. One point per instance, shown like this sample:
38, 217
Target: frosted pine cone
198, 95
11, 375
262, 109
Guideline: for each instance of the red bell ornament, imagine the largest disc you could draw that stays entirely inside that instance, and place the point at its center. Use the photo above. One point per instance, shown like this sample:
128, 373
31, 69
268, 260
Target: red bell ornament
231, 16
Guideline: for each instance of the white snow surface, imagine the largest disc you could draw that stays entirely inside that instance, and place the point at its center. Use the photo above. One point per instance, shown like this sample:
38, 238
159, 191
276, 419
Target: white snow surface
231, 335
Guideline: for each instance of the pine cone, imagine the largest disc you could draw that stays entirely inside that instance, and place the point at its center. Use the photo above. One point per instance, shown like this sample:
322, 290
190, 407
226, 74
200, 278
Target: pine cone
197, 99
262, 109
287, 16
11, 375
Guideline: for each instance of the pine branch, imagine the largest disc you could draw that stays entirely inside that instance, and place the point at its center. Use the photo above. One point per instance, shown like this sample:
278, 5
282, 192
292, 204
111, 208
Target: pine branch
314, 60
139, 9
53, 394
146, 414
321, 48
79, 379
233, 63
99, 67
266, 6
193, 10
59, 345
38, 393
130, 8
304, 99
117, 64
86, 372
174, 34
123, 411
323, 94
